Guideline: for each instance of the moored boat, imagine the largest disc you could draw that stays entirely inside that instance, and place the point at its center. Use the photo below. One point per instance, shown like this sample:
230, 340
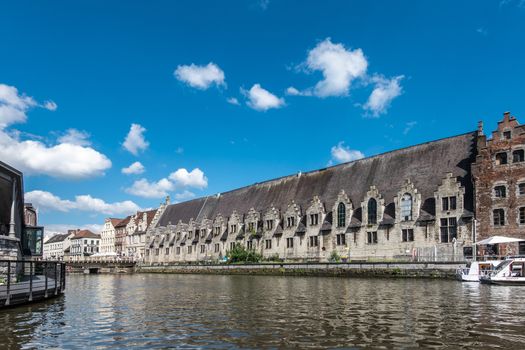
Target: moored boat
476, 269
510, 272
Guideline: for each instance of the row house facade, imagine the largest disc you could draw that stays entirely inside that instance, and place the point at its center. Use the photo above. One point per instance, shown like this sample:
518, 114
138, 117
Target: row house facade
107, 236
83, 244
56, 246
431, 201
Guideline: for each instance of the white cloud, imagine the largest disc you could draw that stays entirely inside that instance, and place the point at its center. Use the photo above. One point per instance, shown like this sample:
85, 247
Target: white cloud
50, 106
409, 126
233, 101
194, 178
184, 195
135, 141
75, 137
179, 179
342, 154
47, 201
69, 158
135, 168
261, 99
384, 92
13, 106
63, 160
146, 189
200, 77
339, 66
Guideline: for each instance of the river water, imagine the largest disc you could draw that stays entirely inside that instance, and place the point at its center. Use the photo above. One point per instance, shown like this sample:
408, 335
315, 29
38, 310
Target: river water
228, 312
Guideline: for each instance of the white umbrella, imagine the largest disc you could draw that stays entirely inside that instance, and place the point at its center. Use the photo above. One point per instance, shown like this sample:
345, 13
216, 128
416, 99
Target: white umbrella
499, 239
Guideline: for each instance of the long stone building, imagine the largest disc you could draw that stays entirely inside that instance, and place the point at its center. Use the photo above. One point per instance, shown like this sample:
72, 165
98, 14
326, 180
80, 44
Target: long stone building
420, 202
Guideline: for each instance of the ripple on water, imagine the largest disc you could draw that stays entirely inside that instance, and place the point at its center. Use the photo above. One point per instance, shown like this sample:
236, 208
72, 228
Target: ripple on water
198, 311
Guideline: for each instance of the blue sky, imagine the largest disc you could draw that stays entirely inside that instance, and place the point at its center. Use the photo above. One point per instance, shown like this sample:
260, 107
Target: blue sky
368, 77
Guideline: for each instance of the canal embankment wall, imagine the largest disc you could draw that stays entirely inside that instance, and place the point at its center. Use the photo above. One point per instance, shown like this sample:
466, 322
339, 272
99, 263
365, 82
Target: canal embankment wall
445, 270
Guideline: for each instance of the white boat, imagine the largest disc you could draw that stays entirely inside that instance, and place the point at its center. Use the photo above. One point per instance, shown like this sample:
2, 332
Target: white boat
509, 272
476, 269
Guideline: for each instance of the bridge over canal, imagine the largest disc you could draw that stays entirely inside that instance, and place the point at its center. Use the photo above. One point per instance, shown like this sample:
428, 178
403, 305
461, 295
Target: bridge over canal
90, 266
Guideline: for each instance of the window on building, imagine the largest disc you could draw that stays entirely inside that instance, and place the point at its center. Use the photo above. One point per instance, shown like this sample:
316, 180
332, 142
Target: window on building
407, 235
521, 188
203, 248
522, 215
190, 234
232, 245
406, 207
341, 215
217, 247
291, 221
449, 229
217, 230
249, 245
314, 241
268, 244
507, 135
178, 250
85, 241
499, 217
341, 239
372, 211
289, 242
448, 203
500, 191
189, 249
251, 227
147, 252
167, 252
203, 232
269, 225
372, 237
314, 219
518, 156
157, 251
501, 158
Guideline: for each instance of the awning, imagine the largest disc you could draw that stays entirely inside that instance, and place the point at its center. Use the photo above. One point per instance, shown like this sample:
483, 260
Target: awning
499, 239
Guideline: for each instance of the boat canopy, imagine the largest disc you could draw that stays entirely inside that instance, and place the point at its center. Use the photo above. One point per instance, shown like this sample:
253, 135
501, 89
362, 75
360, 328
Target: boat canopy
499, 239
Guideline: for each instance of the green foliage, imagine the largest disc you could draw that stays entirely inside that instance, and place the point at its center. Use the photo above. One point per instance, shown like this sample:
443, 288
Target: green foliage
334, 257
239, 254
2, 280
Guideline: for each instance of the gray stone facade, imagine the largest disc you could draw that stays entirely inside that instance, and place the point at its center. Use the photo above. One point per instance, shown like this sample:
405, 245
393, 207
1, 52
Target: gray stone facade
415, 203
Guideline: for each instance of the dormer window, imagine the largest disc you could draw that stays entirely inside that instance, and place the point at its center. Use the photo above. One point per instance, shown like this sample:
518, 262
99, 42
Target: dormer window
501, 158
251, 227
406, 207
314, 219
518, 156
269, 225
217, 230
507, 135
290, 221
500, 191
341, 215
372, 211
448, 203
233, 228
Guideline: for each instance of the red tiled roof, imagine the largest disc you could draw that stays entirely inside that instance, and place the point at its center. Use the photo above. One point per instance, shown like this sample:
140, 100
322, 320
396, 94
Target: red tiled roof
85, 234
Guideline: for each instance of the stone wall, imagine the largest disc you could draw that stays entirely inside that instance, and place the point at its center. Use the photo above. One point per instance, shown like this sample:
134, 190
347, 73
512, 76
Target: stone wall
9, 250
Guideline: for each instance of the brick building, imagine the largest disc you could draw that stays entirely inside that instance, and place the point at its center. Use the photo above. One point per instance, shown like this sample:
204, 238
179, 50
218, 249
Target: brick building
499, 178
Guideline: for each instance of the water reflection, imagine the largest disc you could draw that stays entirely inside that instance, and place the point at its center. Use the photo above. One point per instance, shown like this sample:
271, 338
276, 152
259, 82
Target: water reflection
148, 311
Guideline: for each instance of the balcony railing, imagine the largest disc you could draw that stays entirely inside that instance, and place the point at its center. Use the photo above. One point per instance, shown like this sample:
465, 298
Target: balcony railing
23, 281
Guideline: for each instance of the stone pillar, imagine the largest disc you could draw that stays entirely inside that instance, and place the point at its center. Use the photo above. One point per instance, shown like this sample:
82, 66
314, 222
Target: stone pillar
13, 209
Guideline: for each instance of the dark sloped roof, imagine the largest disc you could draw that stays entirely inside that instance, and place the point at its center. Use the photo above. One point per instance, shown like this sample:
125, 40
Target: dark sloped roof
86, 234
279, 230
425, 165
57, 238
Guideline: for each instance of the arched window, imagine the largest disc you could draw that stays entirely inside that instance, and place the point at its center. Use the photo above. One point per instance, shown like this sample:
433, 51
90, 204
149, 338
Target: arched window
341, 215
372, 211
406, 207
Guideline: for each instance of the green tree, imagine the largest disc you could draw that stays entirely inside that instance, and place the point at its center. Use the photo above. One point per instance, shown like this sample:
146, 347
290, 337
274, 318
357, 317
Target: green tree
240, 254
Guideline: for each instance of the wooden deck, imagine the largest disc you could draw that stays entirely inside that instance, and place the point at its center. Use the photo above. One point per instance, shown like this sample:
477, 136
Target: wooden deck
29, 291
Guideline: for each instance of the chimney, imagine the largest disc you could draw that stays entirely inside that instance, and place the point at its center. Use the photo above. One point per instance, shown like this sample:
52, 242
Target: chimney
480, 128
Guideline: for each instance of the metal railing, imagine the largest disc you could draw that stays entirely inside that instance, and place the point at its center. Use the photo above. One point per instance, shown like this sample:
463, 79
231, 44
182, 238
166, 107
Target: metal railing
24, 281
